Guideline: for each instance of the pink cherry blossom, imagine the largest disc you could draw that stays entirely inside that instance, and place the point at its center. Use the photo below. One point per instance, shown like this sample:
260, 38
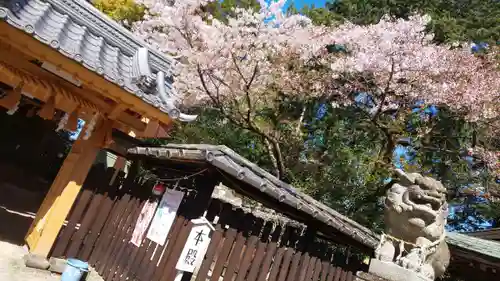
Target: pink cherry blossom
397, 49
245, 63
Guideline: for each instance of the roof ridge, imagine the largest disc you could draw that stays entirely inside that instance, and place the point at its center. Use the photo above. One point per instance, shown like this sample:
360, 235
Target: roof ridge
82, 33
296, 192
101, 24
482, 246
234, 164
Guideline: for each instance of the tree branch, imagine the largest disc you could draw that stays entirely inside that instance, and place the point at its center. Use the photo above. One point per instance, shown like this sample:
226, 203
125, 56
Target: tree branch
248, 84
238, 68
385, 92
272, 144
247, 93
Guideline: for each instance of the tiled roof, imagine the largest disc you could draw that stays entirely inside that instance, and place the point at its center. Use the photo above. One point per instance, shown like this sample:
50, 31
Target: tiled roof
473, 244
261, 181
237, 166
79, 31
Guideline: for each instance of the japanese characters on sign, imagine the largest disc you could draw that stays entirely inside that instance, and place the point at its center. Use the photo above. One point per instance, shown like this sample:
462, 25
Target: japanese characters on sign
143, 221
165, 216
196, 246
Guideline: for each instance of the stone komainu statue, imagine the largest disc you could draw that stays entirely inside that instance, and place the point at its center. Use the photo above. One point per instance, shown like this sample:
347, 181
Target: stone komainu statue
415, 218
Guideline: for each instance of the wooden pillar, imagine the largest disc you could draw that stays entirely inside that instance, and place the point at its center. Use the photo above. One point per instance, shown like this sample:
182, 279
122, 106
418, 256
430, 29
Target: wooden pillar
62, 194
119, 166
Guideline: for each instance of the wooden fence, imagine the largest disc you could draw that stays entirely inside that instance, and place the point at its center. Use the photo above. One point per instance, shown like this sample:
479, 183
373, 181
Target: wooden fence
243, 247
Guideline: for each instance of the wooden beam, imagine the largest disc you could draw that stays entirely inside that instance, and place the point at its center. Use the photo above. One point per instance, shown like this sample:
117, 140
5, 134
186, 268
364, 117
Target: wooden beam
19, 60
155, 129
62, 195
12, 97
27, 43
470, 256
7, 76
119, 166
40, 88
117, 110
151, 129
163, 131
117, 149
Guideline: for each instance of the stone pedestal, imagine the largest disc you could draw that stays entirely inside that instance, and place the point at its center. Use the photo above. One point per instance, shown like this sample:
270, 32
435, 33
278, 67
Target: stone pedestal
36, 261
57, 265
365, 276
387, 271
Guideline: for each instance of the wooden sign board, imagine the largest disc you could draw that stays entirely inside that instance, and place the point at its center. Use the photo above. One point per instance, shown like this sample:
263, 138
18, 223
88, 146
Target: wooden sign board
196, 246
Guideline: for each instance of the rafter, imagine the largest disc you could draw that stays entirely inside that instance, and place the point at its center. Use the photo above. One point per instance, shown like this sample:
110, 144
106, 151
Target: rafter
115, 111
91, 81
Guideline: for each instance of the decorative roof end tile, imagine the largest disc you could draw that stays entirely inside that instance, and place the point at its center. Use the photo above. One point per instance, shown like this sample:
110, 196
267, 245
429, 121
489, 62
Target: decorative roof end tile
141, 73
169, 101
79, 31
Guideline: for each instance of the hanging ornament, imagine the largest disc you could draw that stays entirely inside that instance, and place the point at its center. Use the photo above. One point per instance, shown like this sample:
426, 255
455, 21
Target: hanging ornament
72, 124
158, 189
13, 109
62, 122
13, 97
48, 109
91, 126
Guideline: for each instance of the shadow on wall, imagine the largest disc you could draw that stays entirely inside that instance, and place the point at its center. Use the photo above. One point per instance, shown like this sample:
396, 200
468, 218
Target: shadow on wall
17, 210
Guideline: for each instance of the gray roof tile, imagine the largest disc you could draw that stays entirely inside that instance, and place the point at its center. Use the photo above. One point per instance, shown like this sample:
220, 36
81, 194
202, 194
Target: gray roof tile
473, 244
80, 32
235, 165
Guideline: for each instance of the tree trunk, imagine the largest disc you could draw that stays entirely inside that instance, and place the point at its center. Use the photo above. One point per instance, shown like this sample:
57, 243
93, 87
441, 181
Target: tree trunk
279, 157
274, 160
274, 151
301, 119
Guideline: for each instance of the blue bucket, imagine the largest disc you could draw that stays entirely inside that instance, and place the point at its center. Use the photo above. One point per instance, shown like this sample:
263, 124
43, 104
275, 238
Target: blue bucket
74, 270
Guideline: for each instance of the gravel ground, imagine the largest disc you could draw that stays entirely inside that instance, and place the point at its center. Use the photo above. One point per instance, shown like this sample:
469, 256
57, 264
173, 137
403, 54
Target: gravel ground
12, 267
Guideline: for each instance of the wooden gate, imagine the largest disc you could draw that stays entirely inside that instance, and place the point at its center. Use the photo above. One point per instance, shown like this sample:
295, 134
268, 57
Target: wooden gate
243, 247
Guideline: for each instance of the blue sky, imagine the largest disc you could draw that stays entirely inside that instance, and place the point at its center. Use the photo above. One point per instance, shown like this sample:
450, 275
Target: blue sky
301, 3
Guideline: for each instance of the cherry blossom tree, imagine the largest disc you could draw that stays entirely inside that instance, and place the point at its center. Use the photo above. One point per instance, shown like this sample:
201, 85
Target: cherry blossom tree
405, 67
258, 60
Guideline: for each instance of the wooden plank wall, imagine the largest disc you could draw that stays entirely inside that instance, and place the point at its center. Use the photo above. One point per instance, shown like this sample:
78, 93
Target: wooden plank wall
259, 251
243, 248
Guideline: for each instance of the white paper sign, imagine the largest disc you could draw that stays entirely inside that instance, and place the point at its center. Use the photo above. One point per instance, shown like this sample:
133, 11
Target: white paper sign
165, 216
196, 246
143, 221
